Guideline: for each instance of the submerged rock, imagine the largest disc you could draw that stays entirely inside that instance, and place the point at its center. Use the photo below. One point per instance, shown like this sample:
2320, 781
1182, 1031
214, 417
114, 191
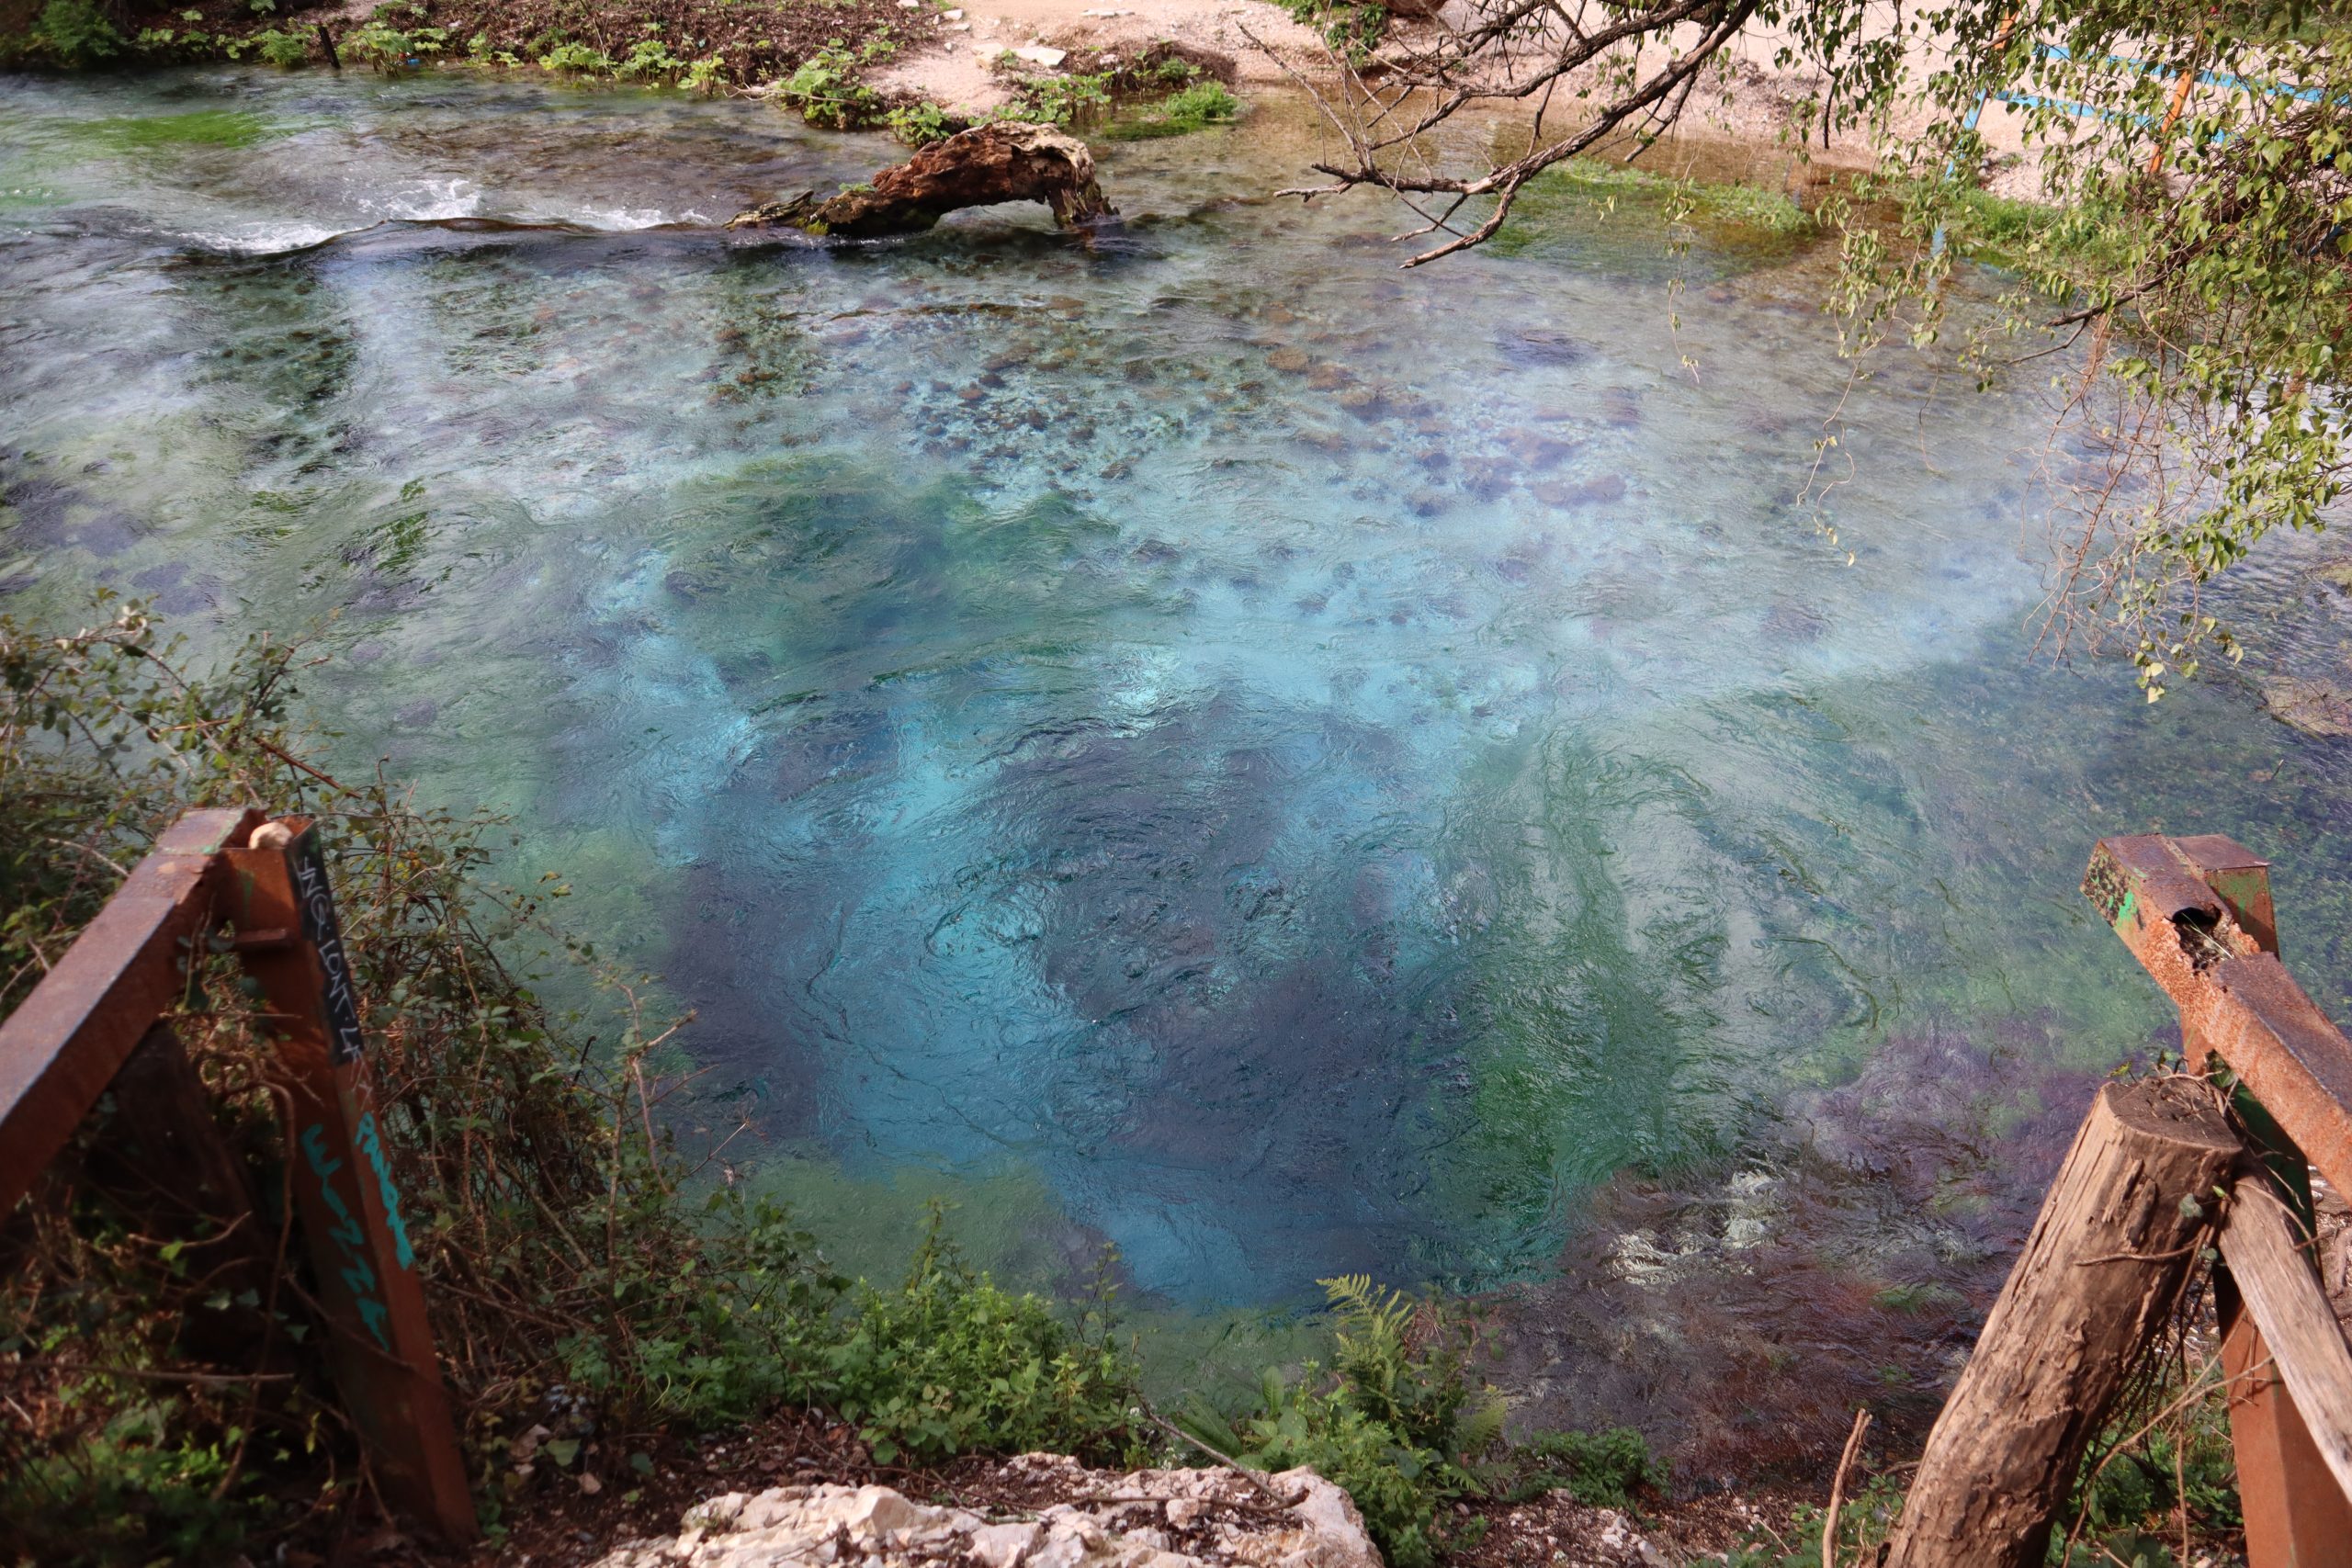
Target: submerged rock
2316, 707
1011, 161
1152, 1519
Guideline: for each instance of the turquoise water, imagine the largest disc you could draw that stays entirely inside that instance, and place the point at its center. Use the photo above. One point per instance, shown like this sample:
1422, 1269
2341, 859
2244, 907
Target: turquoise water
1191, 738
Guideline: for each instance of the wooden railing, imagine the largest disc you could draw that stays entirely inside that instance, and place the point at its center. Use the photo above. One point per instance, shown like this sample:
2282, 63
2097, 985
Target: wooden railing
2166, 1173
235, 882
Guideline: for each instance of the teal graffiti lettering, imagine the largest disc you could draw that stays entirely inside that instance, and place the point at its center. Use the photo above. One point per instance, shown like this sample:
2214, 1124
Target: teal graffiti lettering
375, 1315
390, 1194
349, 1236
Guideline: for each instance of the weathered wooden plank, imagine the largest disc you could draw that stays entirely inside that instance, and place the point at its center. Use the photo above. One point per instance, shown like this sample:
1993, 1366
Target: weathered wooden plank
2270, 1264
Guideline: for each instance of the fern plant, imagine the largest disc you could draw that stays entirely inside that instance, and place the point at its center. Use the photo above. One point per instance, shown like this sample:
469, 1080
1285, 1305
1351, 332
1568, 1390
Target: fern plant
1397, 1422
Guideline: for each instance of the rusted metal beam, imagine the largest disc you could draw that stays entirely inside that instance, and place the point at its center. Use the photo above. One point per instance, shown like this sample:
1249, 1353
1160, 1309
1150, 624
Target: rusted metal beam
379, 1337
61, 1048
2199, 915
2236, 1000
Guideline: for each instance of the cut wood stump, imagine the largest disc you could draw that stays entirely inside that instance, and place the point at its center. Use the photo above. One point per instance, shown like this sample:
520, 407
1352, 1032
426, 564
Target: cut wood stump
1008, 160
2118, 1238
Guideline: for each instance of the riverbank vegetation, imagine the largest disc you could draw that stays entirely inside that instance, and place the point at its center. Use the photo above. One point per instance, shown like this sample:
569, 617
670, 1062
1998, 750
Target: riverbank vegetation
818, 58
699, 43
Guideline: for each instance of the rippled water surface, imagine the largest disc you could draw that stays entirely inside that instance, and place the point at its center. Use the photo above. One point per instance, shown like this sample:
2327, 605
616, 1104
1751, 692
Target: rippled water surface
1197, 738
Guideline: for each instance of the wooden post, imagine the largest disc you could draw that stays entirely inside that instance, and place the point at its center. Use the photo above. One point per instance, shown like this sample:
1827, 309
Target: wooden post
2116, 1242
2267, 1246
2297, 1515
378, 1338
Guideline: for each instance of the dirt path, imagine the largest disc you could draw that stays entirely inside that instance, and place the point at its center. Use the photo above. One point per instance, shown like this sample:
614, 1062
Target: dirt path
956, 74
1757, 102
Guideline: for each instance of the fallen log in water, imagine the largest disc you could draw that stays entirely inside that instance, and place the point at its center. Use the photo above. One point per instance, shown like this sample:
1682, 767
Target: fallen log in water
1008, 160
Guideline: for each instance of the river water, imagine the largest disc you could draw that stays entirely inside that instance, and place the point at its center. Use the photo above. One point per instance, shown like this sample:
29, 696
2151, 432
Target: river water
1193, 738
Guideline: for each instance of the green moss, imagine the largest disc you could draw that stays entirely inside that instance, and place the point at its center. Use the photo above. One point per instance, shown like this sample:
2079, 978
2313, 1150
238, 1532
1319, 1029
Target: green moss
200, 128
1199, 105
1598, 206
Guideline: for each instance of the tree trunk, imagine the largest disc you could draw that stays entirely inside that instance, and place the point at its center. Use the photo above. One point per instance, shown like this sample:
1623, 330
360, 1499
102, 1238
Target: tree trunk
2116, 1240
1008, 160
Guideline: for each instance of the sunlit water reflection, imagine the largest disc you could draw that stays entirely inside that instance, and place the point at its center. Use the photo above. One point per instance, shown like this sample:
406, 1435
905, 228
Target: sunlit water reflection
1289, 766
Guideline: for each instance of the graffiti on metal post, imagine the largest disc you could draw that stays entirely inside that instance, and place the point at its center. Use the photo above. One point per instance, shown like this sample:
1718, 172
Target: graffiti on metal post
344, 1044
370, 1146
350, 1237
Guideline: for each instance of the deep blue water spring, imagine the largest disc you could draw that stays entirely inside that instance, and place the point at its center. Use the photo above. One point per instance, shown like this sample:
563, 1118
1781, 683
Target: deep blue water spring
1193, 739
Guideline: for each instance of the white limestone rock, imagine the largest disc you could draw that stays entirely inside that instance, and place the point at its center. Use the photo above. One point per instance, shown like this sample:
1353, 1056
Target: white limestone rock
1152, 1519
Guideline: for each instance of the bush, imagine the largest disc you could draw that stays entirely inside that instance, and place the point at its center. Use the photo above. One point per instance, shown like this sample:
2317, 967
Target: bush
948, 1363
1352, 31
826, 90
72, 33
1397, 1426
279, 48
649, 57
550, 1215
919, 125
1601, 1470
1203, 103
1059, 100
577, 60
391, 49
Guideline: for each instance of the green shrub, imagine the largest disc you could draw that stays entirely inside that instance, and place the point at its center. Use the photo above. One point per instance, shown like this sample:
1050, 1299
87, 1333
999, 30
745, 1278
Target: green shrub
826, 90
137, 1486
1059, 100
279, 48
72, 33
1398, 1487
1203, 103
390, 48
1601, 1470
559, 1231
1352, 31
918, 125
1864, 1522
649, 57
949, 1363
576, 59
1397, 1424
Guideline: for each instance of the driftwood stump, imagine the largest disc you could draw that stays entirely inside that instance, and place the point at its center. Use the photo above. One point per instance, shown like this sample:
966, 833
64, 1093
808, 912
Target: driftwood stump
2116, 1240
1010, 160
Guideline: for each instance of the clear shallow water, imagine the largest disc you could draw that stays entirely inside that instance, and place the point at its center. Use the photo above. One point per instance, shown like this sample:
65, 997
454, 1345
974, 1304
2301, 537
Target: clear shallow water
1194, 739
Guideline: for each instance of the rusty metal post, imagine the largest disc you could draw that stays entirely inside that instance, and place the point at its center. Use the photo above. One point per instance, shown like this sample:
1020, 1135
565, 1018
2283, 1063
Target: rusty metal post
379, 1340
61, 1047
2296, 1515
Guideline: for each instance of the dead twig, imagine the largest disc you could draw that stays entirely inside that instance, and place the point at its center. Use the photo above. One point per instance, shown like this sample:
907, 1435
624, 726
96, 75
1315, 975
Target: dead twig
1252, 1476
1837, 1489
